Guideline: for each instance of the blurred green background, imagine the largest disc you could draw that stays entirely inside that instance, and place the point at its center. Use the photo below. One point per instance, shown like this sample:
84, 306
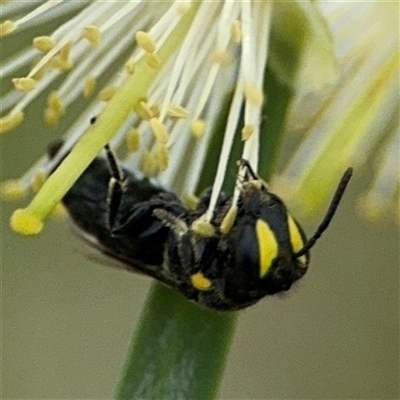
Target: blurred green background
67, 321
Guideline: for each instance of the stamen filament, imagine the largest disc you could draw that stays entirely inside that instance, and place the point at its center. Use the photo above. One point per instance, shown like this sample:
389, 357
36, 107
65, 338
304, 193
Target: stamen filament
91, 143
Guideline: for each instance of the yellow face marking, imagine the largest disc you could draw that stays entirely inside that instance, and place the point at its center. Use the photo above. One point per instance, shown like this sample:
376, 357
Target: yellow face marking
295, 239
267, 245
200, 282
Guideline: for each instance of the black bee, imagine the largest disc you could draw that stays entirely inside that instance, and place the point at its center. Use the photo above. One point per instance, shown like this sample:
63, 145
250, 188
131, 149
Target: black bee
249, 249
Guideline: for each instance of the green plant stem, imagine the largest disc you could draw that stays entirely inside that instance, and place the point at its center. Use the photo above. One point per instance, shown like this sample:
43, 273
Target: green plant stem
179, 350
173, 354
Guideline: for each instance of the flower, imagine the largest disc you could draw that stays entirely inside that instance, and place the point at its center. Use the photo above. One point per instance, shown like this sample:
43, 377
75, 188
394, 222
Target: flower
158, 75
356, 121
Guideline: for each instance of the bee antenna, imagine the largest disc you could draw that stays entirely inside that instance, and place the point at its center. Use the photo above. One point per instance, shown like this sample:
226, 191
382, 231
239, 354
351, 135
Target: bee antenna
337, 197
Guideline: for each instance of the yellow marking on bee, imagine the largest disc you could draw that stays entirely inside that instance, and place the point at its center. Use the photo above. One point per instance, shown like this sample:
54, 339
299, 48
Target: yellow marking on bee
43, 43
267, 245
296, 240
200, 282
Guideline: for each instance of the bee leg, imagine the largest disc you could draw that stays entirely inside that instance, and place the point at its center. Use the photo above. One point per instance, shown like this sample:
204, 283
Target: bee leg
115, 188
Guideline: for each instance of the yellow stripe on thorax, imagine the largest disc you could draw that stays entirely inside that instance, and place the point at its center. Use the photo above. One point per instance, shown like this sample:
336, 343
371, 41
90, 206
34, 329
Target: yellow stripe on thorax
296, 239
267, 245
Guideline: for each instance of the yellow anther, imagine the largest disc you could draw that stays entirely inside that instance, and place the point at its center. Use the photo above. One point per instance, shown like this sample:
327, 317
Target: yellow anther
92, 34
130, 66
13, 190
162, 155
89, 86
7, 27
253, 94
51, 118
236, 32
40, 73
38, 180
43, 43
177, 112
62, 61
55, 104
203, 228
143, 110
145, 41
11, 121
24, 222
155, 110
159, 130
229, 220
198, 128
152, 60
220, 56
59, 212
247, 131
190, 200
371, 208
132, 140
107, 93
200, 282
24, 84
148, 164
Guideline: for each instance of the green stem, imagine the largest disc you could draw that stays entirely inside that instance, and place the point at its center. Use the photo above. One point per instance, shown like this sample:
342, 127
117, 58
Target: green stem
174, 353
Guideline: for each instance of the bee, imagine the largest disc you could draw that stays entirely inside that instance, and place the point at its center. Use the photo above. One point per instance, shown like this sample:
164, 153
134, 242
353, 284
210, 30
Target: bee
250, 248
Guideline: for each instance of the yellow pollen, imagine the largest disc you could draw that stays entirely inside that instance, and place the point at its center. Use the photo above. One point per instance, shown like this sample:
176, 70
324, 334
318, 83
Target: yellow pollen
198, 128
43, 43
55, 104
132, 140
130, 66
177, 112
24, 84
107, 93
92, 34
253, 94
11, 121
228, 220
152, 60
148, 164
159, 130
38, 180
247, 131
220, 56
200, 282
162, 156
24, 222
13, 190
236, 31
7, 27
145, 41
203, 228
89, 86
